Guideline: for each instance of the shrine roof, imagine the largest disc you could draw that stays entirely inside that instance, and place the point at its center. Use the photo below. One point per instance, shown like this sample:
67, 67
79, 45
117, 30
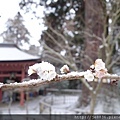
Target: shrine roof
10, 52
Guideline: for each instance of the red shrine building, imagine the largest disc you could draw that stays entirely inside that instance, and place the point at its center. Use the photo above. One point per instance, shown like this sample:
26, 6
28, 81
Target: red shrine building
14, 64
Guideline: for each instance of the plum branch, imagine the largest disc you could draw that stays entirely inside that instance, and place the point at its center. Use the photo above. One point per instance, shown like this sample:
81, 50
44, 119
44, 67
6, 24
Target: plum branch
96, 73
26, 85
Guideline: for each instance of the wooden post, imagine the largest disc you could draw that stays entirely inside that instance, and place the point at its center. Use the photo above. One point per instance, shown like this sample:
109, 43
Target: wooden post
22, 92
41, 106
52, 100
22, 98
0, 95
27, 102
64, 98
50, 110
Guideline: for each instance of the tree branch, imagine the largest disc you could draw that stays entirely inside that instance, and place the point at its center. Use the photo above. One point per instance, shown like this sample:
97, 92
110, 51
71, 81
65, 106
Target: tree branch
58, 34
50, 50
92, 35
53, 40
26, 85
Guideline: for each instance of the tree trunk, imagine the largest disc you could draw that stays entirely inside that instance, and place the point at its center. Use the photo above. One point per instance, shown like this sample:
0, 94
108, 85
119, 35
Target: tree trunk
94, 25
94, 21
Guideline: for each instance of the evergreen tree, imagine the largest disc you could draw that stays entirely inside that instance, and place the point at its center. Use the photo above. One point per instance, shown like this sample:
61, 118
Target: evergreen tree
16, 32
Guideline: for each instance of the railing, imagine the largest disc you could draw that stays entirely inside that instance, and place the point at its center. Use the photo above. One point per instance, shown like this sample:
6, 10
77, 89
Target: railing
72, 91
46, 102
43, 105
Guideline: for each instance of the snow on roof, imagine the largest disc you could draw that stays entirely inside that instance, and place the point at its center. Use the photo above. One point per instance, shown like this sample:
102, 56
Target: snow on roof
10, 52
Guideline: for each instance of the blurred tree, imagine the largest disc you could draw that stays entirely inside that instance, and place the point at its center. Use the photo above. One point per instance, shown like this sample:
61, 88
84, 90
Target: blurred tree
96, 14
62, 42
94, 25
63, 22
80, 31
16, 32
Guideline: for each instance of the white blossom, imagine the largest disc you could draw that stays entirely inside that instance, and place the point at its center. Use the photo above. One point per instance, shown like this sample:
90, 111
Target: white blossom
31, 71
34, 68
64, 69
89, 75
92, 66
100, 73
45, 70
99, 65
1, 84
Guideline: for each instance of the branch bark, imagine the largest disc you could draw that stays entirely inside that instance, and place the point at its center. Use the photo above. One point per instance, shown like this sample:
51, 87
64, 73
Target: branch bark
26, 85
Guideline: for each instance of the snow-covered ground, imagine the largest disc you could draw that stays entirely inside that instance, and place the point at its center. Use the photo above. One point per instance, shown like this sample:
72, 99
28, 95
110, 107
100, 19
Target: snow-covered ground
59, 104
62, 104
32, 106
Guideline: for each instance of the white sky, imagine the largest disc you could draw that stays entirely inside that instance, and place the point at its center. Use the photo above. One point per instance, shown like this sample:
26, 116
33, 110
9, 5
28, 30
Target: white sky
9, 8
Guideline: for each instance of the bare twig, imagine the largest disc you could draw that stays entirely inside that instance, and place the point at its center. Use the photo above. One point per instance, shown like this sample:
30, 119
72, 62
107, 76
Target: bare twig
53, 39
92, 35
50, 50
58, 34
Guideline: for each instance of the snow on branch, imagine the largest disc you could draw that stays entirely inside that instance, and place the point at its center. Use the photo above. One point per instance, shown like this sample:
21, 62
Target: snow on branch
38, 82
47, 74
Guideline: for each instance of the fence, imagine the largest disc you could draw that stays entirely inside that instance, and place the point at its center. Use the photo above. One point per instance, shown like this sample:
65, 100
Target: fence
43, 105
45, 102
62, 99
71, 91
